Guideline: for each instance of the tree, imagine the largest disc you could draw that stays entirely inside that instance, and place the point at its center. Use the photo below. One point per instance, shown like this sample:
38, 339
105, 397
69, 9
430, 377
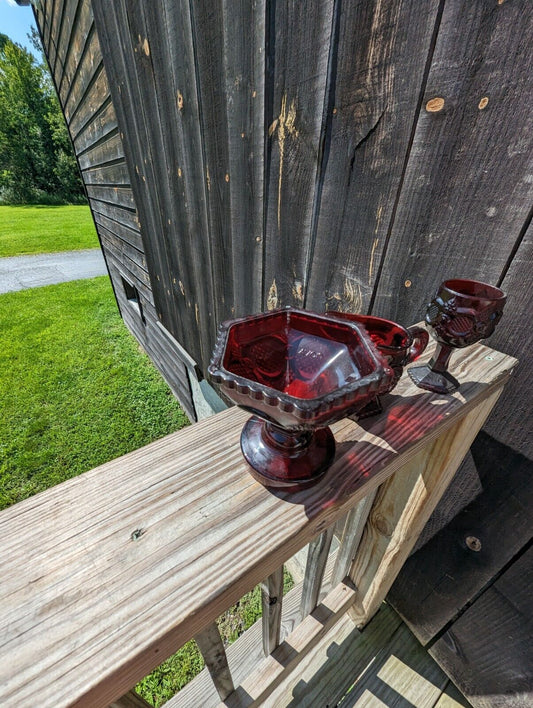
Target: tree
36, 158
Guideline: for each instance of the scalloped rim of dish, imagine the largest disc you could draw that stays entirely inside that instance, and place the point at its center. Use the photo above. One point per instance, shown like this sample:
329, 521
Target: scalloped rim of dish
369, 386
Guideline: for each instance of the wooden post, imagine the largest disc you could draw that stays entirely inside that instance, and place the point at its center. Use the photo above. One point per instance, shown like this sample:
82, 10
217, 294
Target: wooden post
210, 644
352, 532
403, 505
317, 558
272, 599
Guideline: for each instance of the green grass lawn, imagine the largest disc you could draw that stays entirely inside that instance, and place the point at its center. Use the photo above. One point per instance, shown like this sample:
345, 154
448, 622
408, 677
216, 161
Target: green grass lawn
45, 229
75, 389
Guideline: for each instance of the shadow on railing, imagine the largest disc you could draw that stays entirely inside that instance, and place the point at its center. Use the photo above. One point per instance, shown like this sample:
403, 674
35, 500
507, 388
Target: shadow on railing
90, 606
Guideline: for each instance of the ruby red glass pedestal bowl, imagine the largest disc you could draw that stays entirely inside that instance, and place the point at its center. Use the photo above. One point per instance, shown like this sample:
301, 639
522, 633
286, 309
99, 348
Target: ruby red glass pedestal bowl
296, 372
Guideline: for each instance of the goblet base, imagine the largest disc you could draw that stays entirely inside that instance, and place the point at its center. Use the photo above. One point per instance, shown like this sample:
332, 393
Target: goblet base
285, 460
434, 381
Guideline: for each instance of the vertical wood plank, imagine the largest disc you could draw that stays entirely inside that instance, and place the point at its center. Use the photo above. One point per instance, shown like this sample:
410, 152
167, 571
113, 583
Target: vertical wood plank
403, 505
488, 651
352, 533
228, 42
298, 53
467, 189
380, 60
513, 338
317, 558
210, 644
272, 602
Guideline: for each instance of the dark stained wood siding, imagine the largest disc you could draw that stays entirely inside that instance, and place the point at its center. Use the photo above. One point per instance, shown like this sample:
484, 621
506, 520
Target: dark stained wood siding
467, 191
378, 79
495, 669
73, 51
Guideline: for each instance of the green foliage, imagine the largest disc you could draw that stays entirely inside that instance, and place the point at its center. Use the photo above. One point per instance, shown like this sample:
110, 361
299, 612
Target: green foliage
36, 158
75, 389
45, 229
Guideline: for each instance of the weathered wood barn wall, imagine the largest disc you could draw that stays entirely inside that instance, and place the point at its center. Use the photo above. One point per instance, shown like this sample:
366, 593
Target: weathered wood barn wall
240, 156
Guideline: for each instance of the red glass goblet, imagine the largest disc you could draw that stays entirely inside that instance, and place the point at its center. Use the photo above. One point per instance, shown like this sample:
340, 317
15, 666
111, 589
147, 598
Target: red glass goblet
398, 345
461, 313
297, 372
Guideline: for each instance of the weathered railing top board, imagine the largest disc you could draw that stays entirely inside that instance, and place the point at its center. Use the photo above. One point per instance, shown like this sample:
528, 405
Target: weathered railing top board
107, 574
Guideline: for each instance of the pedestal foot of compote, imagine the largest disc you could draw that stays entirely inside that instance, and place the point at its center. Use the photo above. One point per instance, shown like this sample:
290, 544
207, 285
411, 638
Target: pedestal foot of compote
435, 381
285, 459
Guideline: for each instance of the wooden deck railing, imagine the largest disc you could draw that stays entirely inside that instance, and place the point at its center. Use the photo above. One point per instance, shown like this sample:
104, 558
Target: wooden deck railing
106, 575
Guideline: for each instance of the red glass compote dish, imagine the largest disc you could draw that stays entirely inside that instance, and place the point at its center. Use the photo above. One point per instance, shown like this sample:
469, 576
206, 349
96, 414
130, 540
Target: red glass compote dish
398, 345
461, 313
297, 372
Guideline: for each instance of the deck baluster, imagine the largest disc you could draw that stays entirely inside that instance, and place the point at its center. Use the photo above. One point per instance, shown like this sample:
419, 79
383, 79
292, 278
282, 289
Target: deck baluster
272, 600
352, 532
317, 558
210, 644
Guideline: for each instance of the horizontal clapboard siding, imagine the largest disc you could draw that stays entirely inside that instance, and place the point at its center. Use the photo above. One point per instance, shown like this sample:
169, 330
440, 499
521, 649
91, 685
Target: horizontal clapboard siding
73, 51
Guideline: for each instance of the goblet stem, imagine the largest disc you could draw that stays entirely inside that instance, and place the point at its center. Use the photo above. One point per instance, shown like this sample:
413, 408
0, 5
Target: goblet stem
439, 361
434, 376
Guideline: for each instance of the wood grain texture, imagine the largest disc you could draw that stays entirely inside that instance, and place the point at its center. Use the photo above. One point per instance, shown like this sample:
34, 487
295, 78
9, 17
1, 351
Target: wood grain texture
514, 426
272, 607
102, 122
229, 69
488, 651
326, 674
404, 504
56, 17
126, 234
297, 45
380, 56
317, 557
117, 196
130, 700
268, 675
63, 37
401, 674
142, 137
89, 103
102, 575
439, 580
210, 644
466, 192
350, 537
105, 151
173, 132
81, 37
245, 653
